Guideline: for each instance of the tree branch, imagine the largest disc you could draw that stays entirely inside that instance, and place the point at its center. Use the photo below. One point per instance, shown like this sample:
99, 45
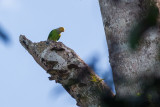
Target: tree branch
66, 68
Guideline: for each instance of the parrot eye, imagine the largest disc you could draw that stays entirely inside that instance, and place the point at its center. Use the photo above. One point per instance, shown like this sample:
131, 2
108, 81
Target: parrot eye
61, 29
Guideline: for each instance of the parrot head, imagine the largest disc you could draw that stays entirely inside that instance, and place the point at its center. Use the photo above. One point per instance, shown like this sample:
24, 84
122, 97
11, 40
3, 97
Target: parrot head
61, 29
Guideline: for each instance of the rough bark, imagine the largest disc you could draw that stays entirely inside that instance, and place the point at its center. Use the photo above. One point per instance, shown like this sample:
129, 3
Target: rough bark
131, 70
66, 68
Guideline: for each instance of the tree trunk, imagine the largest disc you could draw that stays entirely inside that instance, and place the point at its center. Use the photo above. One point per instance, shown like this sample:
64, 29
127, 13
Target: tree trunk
131, 69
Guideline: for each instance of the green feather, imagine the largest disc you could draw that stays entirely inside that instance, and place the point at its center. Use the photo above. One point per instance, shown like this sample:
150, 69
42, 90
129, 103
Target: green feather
54, 35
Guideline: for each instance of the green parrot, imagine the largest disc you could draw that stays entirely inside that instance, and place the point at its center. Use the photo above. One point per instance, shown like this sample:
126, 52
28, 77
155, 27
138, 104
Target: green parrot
55, 34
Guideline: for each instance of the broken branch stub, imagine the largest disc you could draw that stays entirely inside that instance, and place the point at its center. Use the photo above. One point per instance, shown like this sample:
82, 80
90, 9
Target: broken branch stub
66, 68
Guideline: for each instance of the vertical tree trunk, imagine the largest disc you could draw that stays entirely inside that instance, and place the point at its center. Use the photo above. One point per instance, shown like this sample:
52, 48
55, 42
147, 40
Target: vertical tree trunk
131, 69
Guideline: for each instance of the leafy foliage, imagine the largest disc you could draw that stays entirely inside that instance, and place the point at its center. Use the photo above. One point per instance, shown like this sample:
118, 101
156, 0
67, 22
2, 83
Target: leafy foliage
4, 36
149, 21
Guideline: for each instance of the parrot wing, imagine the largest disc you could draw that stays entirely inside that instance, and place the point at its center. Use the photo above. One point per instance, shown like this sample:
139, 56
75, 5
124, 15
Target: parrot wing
54, 35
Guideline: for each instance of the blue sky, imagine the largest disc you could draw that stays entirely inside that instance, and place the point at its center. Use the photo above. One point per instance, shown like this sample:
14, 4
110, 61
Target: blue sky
23, 82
